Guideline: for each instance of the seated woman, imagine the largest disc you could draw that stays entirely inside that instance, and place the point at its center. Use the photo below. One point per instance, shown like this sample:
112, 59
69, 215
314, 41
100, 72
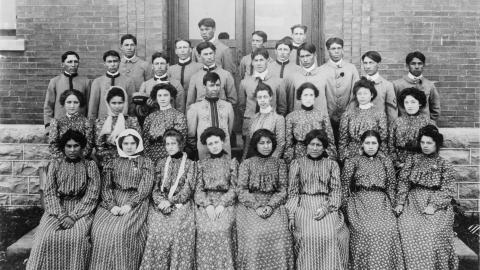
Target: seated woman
314, 198
264, 241
369, 185
171, 219
119, 228
425, 191
215, 198
266, 118
159, 121
108, 129
62, 240
72, 100
300, 122
403, 133
355, 121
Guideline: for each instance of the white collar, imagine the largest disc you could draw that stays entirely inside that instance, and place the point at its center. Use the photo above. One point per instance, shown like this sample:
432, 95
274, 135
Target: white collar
183, 61
211, 66
310, 69
161, 77
337, 64
374, 77
366, 106
260, 75
296, 44
113, 74
411, 76
166, 107
266, 110
129, 59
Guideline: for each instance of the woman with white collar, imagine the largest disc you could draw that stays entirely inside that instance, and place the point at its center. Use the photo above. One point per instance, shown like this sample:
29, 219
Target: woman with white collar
108, 128
119, 228
359, 119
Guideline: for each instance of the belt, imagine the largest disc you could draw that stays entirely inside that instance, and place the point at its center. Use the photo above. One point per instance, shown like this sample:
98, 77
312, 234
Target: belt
371, 188
420, 186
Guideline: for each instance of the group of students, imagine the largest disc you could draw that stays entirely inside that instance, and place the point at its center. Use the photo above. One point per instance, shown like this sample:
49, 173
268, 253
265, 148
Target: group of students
333, 175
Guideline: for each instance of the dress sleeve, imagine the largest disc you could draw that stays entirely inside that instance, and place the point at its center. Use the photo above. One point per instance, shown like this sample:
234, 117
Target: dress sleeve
192, 123
107, 198
187, 189
101, 140
392, 141
404, 181
293, 188
52, 201
344, 136
145, 186
244, 196
157, 195
201, 197
90, 135
90, 198
443, 197
180, 124
288, 156
347, 177
280, 196
49, 105
383, 131
180, 98
331, 149
391, 181
228, 199
335, 196
280, 136
53, 138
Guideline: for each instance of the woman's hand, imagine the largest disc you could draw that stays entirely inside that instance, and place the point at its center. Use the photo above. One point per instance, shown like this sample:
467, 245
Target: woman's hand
67, 223
429, 210
219, 210
398, 209
291, 224
164, 204
210, 212
115, 210
259, 211
267, 211
125, 209
320, 213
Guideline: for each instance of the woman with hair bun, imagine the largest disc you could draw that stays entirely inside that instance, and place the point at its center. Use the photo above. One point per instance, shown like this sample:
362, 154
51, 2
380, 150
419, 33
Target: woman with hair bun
425, 191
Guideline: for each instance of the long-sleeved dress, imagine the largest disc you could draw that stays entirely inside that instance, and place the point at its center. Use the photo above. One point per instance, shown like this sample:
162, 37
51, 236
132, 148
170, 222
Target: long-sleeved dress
402, 138
72, 189
298, 124
77, 122
106, 150
427, 240
155, 125
369, 185
263, 243
354, 123
171, 235
314, 185
118, 241
216, 185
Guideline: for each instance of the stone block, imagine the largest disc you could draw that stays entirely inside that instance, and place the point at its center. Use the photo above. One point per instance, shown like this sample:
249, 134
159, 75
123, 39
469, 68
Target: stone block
36, 152
13, 133
456, 156
25, 199
469, 191
470, 205
11, 151
4, 199
27, 168
461, 137
5, 167
34, 185
475, 156
13, 184
467, 173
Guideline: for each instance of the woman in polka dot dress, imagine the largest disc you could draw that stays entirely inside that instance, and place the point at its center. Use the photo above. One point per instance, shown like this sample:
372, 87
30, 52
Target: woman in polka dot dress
425, 191
369, 184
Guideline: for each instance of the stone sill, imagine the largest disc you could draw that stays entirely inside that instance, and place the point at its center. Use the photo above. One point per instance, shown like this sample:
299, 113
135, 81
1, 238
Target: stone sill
12, 44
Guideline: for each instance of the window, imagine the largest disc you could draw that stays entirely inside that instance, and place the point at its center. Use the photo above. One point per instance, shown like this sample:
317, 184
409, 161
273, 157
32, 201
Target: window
8, 27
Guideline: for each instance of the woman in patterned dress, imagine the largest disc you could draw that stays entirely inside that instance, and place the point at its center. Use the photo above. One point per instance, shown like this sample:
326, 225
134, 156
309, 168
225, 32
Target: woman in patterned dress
159, 121
403, 133
300, 122
215, 196
108, 129
425, 191
266, 118
119, 228
314, 199
62, 240
359, 119
369, 185
264, 241
171, 219
72, 100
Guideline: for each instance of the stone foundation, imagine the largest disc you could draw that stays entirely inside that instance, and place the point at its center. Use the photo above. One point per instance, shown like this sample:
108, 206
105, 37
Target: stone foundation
23, 150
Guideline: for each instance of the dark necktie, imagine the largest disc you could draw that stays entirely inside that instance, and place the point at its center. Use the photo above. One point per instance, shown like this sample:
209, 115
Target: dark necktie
182, 72
112, 78
207, 69
213, 111
282, 69
163, 78
296, 56
70, 79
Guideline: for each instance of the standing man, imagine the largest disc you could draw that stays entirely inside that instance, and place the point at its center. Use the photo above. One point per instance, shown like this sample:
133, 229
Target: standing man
184, 70
385, 101
97, 107
69, 79
196, 89
299, 35
259, 39
209, 112
223, 58
282, 66
131, 65
340, 76
415, 63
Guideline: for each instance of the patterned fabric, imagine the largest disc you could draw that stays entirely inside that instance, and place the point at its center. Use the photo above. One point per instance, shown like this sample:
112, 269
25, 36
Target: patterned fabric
271, 121
354, 123
154, 127
215, 185
118, 241
77, 122
298, 124
402, 139
314, 185
369, 185
263, 243
171, 235
427, 240
107, 151
72, 190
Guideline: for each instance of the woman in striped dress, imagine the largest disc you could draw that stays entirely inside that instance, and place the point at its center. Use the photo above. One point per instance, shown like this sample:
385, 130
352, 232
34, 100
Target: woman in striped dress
62, 240
425, 192
266, 118
72, 100
300, 122
171, 220
369, 185
119, 228
108, 129
264, 241
314, 198
215, 197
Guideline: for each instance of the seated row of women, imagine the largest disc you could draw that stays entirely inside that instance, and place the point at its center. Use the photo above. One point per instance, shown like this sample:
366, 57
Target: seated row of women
217, 214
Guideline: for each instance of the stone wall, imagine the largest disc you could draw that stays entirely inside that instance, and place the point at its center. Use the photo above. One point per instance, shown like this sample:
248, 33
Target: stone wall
23, 151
